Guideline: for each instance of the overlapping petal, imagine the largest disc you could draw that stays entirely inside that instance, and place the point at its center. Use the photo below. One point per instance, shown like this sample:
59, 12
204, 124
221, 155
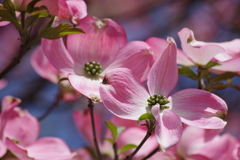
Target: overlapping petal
157, 46
58, 55
168, 128
123, 94
232, 65
88, 86
77, 10
199, 108
163, 75
101, 43
200, 52
136, 56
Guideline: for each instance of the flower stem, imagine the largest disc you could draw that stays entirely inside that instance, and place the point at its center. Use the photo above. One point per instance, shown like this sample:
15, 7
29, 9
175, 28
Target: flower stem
91, 106
148, 134
200, 79
115, 151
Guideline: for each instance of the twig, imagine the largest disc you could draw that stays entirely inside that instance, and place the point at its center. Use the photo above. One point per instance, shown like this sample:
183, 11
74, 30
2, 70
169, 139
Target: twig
115, 151
91, 106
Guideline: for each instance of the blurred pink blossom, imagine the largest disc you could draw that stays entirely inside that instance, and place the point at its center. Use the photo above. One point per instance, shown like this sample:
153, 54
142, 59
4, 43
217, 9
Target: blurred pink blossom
19, 131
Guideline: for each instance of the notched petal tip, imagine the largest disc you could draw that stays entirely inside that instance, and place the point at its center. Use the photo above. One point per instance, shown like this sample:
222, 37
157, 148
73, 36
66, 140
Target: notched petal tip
100, 23
106, 80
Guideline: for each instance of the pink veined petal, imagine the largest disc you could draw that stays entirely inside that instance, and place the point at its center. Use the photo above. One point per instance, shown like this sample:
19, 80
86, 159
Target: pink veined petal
50, 148
197, 157
58, 55
77, 10
168, 129
89, 87
8, 104
124, 122
22, 127
43, 67
135, 56
83, 123
199, 108
17, 150
100, 42
232, 65
201, 54
157, 46
183, 59
194, 138
3, 149
123, 94
232, 47
163, 75
220, 148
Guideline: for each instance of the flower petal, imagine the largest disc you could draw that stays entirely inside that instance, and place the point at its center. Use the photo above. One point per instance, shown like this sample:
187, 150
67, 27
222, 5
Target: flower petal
77, 10
100, 42
43, 67
199, 108
200, 52
168, 127
137, 53
50, 148
157, 46
3, 149
89, 87
183, 59
163, 75
17, 150
123, 94
232, 65
58, 55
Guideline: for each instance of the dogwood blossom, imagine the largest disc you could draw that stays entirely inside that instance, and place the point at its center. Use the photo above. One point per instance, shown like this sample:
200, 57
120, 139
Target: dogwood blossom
124, 95
89, 56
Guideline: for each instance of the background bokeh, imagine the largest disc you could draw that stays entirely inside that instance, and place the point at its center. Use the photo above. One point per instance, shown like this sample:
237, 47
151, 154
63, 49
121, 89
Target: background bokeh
212, 21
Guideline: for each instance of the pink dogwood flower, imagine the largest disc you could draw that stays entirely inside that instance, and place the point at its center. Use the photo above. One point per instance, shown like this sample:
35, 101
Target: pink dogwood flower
18, 134
124, 95
195, 52
65, 9
87, 57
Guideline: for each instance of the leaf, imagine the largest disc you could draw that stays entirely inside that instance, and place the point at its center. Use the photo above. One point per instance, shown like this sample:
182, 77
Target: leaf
127, 147
113, 130
30, 21
59, 31
6, 15
109, 140
9, 6
224, 76
220, 86
30, 7
212, 64
186, 71
145, 116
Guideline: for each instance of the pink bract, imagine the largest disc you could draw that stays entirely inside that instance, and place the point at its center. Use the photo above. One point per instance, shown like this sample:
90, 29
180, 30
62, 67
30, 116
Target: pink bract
19, 131
124, 95
104, 43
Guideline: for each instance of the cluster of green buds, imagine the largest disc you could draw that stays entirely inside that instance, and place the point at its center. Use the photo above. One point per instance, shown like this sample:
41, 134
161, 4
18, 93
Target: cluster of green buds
92, 68
160, 99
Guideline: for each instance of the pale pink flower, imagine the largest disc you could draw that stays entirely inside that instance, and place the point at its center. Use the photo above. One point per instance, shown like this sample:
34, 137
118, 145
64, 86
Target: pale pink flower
83, 123
46, 70
19, 131
65, 9
195, 52
87, 57
124, 95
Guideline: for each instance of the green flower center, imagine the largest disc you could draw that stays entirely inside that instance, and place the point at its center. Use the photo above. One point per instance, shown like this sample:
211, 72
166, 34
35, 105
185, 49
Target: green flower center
160, 99
92, 68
